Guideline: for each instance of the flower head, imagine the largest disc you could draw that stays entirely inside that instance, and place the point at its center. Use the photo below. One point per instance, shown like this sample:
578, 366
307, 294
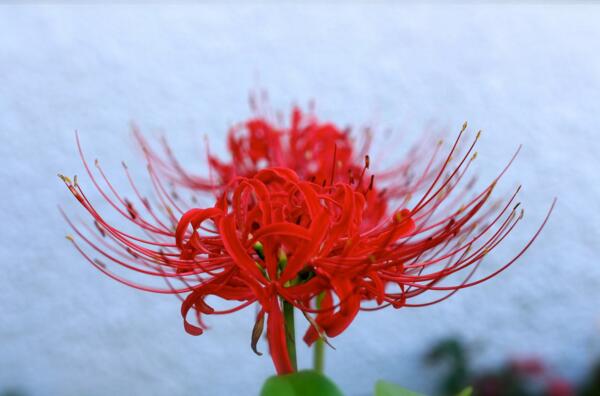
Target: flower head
297, 219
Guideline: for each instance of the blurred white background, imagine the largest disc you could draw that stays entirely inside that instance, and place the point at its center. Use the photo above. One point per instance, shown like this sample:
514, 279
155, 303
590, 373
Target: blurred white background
523, 73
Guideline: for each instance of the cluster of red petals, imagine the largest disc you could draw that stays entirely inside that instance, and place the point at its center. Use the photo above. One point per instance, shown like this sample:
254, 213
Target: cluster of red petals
317, 151
297, 219
304, 144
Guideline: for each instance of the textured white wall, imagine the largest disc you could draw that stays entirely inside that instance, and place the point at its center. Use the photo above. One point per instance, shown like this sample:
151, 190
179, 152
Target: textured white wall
525, 74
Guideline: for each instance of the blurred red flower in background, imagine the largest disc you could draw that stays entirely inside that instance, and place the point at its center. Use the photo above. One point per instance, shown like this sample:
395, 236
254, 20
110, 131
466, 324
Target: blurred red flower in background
300, 221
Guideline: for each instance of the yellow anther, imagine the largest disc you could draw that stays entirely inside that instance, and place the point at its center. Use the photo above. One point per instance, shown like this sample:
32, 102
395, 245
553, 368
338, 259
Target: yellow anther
65, 178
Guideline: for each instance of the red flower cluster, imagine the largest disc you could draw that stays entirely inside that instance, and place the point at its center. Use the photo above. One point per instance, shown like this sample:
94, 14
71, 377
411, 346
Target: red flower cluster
297, 219
317, 151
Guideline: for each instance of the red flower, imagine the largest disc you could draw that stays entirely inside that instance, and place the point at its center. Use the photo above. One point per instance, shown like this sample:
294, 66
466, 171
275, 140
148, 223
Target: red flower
294, 229
560, 387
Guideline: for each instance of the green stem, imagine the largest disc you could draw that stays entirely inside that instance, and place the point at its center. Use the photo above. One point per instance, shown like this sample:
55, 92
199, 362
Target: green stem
290, 332
319, 356
319, 347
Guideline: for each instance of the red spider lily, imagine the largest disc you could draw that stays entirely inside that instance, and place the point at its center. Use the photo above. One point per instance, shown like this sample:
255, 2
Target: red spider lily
293, 231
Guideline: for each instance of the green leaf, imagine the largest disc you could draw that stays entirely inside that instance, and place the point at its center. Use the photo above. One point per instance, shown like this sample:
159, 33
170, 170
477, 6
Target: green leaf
383, 388
468, 391
302, 383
